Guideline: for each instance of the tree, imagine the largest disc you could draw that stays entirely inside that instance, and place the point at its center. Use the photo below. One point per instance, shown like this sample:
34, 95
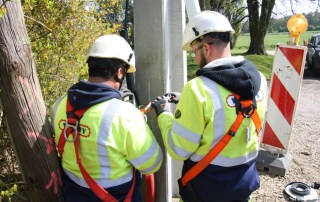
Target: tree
24, 108
258, 24
234, 10
61, 33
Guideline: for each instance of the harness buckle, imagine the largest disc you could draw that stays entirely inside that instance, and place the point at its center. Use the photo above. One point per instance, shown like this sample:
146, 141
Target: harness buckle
247, 111
246, 107
75, 130
232, 133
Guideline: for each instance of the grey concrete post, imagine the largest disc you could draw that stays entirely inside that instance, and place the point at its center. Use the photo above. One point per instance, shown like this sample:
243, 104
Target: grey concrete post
161, 68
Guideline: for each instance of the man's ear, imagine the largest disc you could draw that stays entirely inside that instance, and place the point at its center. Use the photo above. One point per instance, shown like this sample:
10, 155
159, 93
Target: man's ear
119, 73
207, 49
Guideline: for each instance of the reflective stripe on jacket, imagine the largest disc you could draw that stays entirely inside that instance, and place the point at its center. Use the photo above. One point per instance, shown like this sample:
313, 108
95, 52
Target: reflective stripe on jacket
114, 136
203, 115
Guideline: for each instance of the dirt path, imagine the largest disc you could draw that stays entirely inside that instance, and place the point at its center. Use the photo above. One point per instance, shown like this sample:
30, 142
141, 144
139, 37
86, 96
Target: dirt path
304, 146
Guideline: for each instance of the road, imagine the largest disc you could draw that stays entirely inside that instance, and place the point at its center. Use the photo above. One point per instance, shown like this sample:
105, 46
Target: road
304, 146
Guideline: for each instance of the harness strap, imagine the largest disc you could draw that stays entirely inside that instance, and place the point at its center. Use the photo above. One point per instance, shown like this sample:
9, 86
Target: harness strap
257, 121
99, 191
215, 151
253, 114
71, 122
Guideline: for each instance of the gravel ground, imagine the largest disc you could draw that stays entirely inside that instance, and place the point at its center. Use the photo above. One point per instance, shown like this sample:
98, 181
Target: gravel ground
304, 146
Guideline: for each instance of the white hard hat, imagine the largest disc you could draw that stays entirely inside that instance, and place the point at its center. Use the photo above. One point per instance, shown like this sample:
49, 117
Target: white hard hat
204, 23
113, 46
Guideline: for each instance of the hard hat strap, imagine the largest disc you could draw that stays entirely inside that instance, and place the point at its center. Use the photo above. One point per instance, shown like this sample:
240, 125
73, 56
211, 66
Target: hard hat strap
224, 36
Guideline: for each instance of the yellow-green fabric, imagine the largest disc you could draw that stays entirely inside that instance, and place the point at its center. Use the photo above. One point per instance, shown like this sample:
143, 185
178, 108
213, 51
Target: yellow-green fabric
202, 116
114, 137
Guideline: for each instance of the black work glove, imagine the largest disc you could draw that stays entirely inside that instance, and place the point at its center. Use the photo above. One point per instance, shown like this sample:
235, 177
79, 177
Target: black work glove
125, 94
161, 104
173, 97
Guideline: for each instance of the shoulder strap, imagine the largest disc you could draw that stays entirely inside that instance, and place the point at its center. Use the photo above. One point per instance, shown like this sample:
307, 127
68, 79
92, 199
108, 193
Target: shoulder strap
247, 109
72, 127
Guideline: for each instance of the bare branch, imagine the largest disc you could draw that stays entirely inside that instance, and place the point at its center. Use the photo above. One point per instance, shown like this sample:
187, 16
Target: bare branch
4, 3
40, 23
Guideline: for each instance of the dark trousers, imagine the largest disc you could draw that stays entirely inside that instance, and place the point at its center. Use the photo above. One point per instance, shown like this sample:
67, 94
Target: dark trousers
72, 192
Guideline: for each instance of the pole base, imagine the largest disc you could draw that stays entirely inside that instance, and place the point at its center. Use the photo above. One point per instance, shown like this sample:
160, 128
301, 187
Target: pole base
276, 164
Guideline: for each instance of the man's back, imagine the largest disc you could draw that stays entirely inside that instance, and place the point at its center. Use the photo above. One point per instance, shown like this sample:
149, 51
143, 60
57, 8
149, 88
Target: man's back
205, 112
114, 138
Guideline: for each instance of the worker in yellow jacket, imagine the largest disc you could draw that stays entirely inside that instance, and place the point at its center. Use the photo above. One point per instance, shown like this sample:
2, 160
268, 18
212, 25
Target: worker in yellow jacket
206, 111
114, 142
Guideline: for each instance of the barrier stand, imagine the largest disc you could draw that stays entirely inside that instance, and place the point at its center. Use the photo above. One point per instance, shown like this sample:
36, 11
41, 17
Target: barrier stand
287, 75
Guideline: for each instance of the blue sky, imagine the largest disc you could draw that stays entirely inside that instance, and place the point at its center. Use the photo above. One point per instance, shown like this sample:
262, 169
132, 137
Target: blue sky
291, 7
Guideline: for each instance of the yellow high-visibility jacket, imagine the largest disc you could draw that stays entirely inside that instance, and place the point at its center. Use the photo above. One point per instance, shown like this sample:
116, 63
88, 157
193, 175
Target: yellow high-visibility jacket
114, 138
204, 114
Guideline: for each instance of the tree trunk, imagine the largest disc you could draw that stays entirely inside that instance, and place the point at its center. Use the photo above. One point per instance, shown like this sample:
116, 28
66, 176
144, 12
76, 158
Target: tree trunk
201, 4
258, 24
24, 109
234, 10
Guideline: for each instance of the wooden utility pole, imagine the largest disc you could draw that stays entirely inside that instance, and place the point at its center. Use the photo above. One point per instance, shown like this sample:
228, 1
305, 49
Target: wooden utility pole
24, 108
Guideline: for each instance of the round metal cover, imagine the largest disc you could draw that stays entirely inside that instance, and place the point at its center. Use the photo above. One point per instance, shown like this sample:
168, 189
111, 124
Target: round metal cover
298, 191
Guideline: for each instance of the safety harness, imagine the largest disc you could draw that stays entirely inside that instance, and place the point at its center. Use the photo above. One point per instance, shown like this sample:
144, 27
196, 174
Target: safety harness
72, 127
244, 109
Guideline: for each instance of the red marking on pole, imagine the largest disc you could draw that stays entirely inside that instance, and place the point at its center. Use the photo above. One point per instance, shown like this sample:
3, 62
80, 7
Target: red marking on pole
295, 57
55, 181
271, 138
35, 93
282, 99
49, 141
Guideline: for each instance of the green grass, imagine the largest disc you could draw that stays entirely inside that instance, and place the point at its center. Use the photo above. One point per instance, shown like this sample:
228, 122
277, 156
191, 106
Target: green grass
262, 62
272, 39
192, 67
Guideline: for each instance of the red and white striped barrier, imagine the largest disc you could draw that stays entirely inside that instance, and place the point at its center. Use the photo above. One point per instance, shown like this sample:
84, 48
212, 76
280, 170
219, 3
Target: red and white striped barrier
287, 76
